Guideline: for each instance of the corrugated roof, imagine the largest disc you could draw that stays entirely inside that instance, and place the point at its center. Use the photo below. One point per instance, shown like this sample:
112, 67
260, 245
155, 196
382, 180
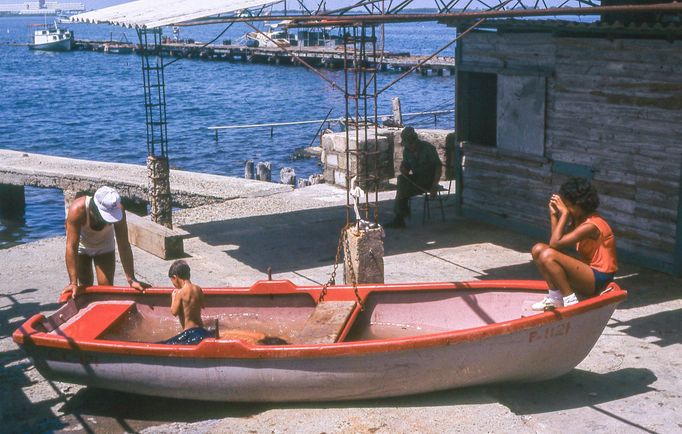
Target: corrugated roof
157, 13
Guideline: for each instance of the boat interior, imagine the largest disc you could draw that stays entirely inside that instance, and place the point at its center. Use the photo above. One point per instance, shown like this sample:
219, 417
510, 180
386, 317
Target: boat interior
278, 312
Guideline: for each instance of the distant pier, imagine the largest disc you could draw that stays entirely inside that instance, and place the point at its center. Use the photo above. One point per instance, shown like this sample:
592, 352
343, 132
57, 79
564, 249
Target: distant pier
326, 57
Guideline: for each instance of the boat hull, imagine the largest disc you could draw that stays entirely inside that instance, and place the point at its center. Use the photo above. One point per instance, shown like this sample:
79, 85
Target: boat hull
63, 45
532, 349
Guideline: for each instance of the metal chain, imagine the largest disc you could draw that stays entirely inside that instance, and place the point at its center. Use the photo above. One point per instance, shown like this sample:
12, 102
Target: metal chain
332, 278
343, 241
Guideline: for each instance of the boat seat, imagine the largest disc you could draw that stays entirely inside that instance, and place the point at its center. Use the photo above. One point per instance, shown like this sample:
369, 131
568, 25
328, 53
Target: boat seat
97, 319
326, 323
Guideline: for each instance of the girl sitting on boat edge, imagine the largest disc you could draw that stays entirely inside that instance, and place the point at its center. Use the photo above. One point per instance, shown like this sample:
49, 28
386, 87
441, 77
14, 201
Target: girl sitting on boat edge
575, 221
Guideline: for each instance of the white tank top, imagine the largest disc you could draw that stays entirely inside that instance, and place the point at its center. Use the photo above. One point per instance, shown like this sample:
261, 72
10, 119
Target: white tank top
92, 242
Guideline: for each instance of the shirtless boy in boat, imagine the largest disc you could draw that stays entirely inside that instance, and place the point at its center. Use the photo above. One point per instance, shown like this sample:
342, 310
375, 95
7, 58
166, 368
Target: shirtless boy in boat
187, 300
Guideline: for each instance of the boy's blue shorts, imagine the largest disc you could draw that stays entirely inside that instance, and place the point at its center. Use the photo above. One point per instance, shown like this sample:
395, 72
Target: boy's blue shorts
189, 337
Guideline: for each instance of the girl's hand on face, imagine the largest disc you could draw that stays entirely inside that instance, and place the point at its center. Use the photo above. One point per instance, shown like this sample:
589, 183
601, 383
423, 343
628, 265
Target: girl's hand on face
557, 204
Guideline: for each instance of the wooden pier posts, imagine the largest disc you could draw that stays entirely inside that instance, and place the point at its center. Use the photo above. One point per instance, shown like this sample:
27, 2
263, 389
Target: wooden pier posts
397, 113
264, 171
249, 169
12, 201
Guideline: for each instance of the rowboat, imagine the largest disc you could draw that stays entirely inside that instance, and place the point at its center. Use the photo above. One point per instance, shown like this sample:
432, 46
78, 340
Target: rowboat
366, 342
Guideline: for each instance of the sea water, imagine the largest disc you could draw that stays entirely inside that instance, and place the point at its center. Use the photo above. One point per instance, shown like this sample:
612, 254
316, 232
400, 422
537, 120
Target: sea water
90, 105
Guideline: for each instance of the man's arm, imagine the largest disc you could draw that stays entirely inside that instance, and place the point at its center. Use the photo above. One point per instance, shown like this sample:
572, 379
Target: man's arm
435, 160
72, 225
125, 252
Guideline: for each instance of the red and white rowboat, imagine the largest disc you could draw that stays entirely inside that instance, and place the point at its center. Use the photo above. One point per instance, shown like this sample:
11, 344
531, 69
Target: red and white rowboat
405, 339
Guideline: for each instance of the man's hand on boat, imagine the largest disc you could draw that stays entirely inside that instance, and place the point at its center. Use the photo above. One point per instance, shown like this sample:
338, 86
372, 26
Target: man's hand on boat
136, 284
72, 290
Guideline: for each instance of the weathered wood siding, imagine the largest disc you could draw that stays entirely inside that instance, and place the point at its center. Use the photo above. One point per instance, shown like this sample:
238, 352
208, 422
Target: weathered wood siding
612, 106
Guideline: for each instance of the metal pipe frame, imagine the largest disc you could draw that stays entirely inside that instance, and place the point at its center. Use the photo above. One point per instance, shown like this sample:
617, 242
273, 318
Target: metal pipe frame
515, 10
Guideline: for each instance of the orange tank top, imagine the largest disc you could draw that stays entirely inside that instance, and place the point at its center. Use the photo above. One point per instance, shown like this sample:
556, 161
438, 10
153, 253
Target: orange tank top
599, 253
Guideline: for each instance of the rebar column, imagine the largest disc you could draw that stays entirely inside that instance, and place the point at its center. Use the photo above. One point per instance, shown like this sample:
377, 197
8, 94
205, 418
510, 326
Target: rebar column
158, 167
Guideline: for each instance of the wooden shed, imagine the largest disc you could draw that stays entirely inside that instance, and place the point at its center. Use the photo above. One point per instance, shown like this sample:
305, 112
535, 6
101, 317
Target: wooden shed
540, 100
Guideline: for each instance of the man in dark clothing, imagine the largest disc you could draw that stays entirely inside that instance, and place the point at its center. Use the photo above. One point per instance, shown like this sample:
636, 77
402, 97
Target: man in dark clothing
420, 172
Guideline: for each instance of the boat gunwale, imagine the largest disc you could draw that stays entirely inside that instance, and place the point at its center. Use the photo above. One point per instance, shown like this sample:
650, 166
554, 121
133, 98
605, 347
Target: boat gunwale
29, 335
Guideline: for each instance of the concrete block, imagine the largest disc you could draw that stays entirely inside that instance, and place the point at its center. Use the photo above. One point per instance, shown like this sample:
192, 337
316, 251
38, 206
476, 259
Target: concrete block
332, 159
366, 256
340, 178
327, 141
339, 143
328, 174
155, 238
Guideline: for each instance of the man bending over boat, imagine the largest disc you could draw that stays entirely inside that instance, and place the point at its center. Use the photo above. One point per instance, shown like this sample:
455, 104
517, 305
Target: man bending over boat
92, 225
575, 222
187, 300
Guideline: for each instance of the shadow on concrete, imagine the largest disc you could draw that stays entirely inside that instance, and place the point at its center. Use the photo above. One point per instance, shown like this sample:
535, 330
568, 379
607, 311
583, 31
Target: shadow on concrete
518, 271
646, 287
307, 239
114, 410
665, 327
16, 370
17, 311
576, 389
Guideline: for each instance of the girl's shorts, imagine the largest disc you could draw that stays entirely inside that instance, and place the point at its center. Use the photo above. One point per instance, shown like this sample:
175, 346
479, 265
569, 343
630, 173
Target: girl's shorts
601, 280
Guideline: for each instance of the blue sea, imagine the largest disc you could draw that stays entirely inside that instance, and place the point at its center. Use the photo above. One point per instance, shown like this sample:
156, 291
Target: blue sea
90, 105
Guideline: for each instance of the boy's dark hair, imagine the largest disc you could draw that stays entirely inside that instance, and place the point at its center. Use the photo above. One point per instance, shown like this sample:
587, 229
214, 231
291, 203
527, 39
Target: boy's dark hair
180, 269
581, 192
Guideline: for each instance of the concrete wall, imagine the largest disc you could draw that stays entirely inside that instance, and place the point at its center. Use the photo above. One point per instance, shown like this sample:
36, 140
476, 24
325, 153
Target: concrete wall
391, 152
613, 113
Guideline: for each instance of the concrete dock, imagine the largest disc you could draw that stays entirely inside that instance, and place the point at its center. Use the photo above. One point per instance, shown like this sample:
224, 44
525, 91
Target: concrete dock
326, 57
631, 382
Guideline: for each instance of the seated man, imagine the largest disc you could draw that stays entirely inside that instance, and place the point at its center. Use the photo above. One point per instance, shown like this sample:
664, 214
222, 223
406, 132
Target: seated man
420, 172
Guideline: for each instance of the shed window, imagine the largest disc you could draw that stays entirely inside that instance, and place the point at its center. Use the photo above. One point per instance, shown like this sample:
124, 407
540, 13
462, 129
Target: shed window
478, 109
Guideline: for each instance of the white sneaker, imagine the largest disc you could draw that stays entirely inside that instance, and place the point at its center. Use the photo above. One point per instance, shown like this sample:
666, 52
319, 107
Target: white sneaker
548, 303
570, 299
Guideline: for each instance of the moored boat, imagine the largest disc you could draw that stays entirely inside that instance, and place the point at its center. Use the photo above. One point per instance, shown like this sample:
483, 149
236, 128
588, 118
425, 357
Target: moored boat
386, 340
52, 38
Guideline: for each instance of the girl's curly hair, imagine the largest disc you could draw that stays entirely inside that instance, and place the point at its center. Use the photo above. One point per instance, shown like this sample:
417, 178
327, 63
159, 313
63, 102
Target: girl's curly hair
581, 192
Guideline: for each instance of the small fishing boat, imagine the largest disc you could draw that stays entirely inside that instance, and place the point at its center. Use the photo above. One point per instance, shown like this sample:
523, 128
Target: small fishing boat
51, 38
274, 36
276, 341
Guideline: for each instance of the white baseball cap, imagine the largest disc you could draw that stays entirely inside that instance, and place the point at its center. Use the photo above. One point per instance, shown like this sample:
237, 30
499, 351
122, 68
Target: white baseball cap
108, 203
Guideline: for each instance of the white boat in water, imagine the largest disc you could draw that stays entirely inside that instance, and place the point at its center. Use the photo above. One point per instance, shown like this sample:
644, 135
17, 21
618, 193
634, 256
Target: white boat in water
52, 38
274, 36
277, 35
